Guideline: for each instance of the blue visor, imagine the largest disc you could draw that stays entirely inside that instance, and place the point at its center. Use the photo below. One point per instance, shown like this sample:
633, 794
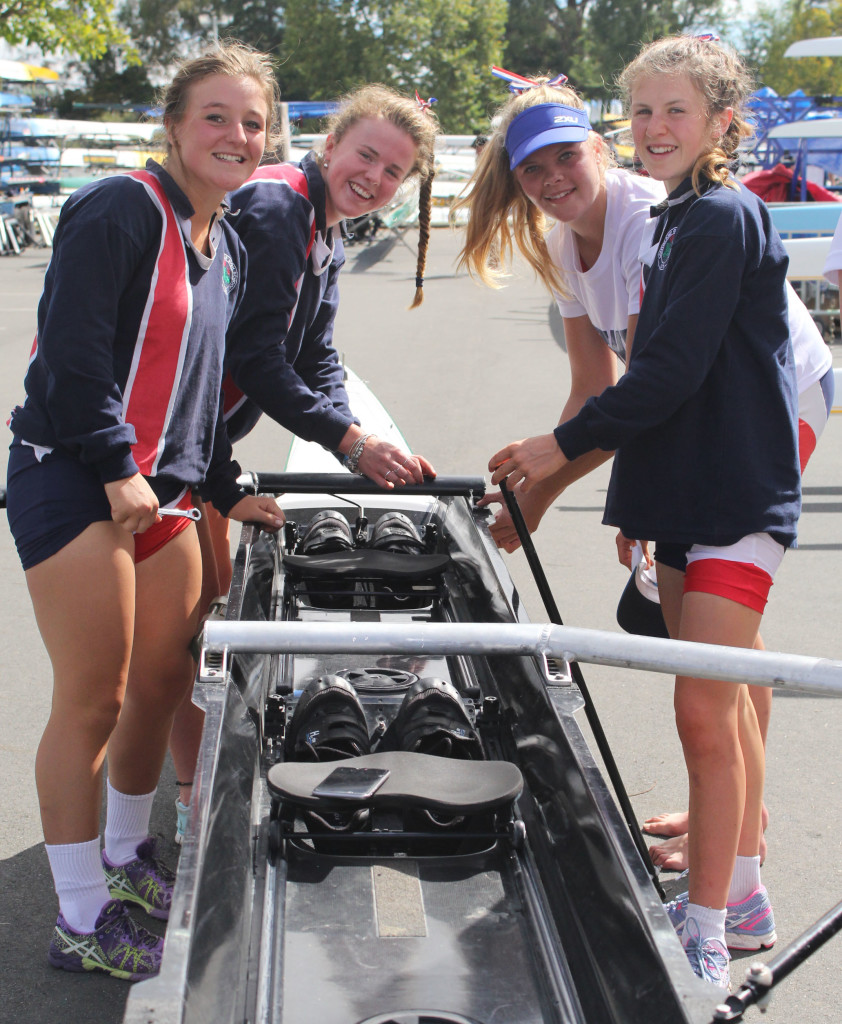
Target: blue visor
543, 125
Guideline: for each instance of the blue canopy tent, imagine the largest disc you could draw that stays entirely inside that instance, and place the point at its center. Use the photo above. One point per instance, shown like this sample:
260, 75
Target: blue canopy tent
314, 108
806, 128
14, 99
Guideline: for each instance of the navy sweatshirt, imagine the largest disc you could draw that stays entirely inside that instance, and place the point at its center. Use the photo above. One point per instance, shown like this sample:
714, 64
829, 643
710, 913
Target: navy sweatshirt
281, 358
704, 421
127, 365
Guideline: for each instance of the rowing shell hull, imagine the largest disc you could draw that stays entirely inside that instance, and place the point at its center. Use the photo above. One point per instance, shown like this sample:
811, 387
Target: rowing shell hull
556, 923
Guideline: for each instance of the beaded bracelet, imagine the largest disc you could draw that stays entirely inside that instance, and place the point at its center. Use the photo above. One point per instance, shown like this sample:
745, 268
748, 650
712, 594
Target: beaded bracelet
352, 460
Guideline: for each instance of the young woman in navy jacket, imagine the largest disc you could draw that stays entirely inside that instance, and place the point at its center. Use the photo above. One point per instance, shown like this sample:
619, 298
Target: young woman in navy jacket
704, 424
282, 360
122, 420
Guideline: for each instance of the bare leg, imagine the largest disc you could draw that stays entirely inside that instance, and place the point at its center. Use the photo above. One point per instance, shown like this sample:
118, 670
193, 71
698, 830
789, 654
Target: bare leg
161, 670
221, 541
761, 698
723, 752
186, 736
671, 591
752, 842
673, 855
84, 591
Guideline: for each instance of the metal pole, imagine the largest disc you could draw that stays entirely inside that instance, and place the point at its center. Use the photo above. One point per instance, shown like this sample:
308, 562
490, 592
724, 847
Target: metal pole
571, 643
590, 708
762, 978
347, 483
286, 135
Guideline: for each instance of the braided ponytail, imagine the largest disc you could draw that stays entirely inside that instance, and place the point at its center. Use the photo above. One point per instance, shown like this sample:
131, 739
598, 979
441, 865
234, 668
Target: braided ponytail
425, 203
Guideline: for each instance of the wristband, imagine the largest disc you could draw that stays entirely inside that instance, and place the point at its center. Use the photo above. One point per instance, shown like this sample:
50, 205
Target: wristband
352, 461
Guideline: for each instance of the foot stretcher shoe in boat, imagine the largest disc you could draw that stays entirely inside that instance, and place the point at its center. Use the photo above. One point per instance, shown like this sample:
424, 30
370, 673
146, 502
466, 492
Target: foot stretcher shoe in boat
433, 719
328, 723
328, 531
396, 532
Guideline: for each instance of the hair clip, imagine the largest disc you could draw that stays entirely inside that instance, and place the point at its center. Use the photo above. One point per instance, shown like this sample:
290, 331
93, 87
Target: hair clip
519, 83
425, 104
708, 37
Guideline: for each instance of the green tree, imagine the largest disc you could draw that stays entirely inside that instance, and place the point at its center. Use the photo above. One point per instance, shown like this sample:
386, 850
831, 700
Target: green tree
617, 28
111, 84
441, 48
83, 27
445, 48
329, 47
591, 40
545, 35
775, 28
165, 31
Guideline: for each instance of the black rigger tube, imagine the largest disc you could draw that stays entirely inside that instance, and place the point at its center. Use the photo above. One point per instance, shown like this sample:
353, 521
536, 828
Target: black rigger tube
590, 710
762, 978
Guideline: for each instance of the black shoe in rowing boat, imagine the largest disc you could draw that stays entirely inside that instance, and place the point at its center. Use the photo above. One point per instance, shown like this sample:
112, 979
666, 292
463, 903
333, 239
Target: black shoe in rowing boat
433, 719
328, 723
327, 531
396, 532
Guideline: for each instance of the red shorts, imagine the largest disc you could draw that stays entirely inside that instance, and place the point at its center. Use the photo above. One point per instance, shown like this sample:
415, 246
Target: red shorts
742, 572
158, 534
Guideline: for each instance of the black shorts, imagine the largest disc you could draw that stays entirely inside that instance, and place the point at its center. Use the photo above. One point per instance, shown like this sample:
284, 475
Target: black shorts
49, 503
673, 555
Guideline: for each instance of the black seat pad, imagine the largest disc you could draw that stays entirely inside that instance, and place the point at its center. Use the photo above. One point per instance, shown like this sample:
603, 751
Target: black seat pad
415, 780
366, 562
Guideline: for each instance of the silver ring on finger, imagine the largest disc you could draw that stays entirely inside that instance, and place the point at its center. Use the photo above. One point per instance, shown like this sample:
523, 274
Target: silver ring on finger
388, 473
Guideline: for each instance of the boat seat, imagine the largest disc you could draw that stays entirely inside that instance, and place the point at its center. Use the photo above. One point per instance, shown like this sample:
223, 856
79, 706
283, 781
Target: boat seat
439, 784
366, 562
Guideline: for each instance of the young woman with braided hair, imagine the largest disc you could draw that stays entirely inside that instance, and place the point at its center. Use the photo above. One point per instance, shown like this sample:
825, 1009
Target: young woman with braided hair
281, 357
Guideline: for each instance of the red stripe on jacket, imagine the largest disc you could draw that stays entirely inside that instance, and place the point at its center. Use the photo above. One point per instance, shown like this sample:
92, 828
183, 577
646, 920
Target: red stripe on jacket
292, 176
161, 342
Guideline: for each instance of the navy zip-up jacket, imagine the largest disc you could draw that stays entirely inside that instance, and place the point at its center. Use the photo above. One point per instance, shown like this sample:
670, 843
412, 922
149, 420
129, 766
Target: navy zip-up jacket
281, 358
704, 421
126, 369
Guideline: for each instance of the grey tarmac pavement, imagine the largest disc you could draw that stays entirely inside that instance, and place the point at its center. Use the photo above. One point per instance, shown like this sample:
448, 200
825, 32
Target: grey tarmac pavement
467, 372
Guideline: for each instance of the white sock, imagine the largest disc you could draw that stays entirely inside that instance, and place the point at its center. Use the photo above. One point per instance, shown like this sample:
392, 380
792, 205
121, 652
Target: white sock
80, 882
126, 824
711, 922
745, 880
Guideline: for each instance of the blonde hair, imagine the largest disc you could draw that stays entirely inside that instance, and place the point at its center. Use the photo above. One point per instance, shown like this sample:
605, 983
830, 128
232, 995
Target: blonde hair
499, 212
379, 103
233, 60
721, 79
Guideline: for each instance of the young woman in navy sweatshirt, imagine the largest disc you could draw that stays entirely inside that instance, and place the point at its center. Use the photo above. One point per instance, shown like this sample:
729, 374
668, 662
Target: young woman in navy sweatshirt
122, 420
704, 424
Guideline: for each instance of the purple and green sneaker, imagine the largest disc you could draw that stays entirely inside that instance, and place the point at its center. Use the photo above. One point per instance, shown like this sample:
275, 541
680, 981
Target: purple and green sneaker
117, 946
749, 924
708, 957
144, 881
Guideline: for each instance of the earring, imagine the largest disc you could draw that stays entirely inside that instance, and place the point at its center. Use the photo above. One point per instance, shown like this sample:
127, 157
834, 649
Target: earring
325, 164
